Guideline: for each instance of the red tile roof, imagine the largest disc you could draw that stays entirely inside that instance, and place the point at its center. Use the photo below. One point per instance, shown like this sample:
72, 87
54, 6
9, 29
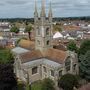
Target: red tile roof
52, 54
29, 56
56, 55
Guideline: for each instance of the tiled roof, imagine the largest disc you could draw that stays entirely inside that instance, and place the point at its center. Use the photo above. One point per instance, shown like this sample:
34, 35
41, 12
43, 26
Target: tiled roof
51, 54
56, 55
70, 27
29, 56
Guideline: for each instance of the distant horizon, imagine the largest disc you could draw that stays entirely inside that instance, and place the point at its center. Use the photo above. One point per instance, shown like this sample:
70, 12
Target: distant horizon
39, 17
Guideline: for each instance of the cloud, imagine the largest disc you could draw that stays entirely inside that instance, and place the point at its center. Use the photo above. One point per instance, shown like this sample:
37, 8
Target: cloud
25, 8
2, 4
17, 2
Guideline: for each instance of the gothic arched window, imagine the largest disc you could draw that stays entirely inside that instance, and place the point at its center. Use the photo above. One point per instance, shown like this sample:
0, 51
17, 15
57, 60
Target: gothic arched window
74, 67
48, 42
52, 72
60, 73
38, 42
34, 70
68, 64
44, 69
38, 31
47, 31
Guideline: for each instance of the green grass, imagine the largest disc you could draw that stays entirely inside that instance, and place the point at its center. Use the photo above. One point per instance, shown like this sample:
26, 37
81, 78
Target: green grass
34, 86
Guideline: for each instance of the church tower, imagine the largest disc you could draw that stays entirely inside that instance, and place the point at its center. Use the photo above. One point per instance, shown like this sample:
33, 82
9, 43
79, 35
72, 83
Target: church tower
43, 29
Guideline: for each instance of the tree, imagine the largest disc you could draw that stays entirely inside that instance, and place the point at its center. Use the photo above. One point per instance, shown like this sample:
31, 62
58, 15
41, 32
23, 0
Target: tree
47, 84
85, 46
28, 29
57, 28
14, 29
7, 78
85, 66
68, 82
72, 46
6, 56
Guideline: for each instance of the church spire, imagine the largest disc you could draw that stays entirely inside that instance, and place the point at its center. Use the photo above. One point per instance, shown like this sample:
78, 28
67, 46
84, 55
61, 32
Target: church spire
35, 13
43, 9
50, 12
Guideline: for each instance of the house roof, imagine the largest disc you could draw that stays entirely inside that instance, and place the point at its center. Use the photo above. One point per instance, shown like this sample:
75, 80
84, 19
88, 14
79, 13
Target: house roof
51, 54
71, 27
57, 35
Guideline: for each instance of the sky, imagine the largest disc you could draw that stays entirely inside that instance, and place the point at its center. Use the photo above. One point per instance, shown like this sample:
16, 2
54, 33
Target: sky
60, 8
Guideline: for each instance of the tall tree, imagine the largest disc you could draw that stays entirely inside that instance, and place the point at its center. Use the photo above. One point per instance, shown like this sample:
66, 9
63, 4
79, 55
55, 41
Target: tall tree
85, 46
28, 29
85, 66
72, 46
14, 29
68, 82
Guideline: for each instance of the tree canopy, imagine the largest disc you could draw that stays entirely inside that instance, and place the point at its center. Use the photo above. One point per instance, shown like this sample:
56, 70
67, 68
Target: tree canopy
6, 56
68, 82
14, 29
28, 29
85, 65
47, 84
85, 46
72, 46
7, 78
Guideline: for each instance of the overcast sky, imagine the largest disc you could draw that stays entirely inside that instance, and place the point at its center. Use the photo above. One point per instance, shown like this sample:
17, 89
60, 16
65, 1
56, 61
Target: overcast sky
61, 8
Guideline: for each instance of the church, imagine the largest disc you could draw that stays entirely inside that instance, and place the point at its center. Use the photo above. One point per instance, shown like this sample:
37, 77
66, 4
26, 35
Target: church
44, 61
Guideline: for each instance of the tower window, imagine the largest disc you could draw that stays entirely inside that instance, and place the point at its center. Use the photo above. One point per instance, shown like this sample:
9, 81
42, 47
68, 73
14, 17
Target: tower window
47, 31
38, 32
38, 42
48, 42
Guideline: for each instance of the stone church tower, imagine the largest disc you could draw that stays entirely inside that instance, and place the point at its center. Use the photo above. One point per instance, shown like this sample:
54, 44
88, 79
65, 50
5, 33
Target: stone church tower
43, 28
